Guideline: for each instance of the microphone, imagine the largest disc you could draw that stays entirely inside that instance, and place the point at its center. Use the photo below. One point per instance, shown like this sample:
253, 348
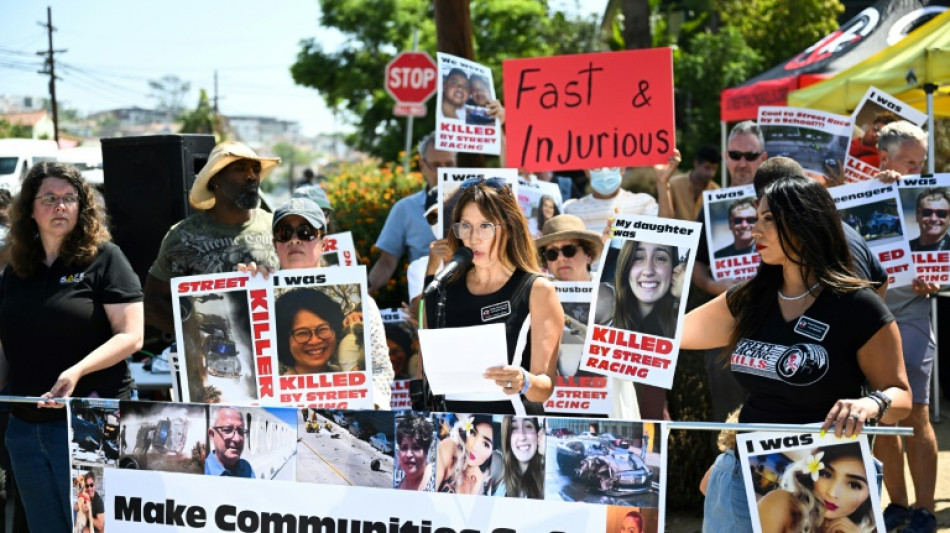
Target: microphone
460, 259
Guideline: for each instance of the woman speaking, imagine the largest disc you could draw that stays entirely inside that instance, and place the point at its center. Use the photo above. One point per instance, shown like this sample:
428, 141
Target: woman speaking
503, 275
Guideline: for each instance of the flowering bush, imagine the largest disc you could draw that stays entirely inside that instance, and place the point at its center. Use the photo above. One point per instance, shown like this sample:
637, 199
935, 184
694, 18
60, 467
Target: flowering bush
362, 194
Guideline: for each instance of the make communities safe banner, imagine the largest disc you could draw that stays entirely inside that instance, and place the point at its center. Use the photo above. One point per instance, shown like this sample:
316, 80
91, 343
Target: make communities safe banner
550, 102
730, 217
634, 335
874, 210
192, 467
462, 123
926, 203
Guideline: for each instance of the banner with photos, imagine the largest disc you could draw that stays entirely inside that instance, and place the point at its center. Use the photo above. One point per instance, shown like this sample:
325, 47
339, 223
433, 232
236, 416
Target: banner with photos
155, 466
462, 123
730, 216
875, 110
451, 179
926, 205
874, 210
639, 305
805, 482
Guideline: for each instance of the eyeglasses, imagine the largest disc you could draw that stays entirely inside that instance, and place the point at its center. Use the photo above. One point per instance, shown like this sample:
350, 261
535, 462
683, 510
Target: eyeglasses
927, 212
303, 335
495, 183
748, 220
229, 431
51, 199
304, 232
485, 230
551, 254
736, 155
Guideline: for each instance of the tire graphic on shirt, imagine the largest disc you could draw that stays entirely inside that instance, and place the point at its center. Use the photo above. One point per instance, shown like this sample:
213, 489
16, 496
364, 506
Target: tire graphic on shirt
802, 364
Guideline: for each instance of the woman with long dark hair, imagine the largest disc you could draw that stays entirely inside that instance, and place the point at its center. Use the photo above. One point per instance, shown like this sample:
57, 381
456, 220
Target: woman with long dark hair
70, 313
523, 449
310, 328
464, 457
648, 279
805, 333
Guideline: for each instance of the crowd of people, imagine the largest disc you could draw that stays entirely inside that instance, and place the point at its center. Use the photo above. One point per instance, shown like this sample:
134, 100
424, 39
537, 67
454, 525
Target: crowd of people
815, 270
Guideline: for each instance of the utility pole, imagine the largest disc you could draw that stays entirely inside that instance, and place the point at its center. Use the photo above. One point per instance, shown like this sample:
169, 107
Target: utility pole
215, 91
50, 69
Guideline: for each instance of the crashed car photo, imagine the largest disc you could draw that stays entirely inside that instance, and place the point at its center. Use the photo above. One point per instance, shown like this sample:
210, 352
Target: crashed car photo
614, 472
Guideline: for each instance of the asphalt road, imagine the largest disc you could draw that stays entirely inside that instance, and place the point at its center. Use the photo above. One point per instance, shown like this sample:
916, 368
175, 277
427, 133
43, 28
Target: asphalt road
335, 457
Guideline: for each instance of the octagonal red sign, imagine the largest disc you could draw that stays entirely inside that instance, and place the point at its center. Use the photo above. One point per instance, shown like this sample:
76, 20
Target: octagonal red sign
411, 77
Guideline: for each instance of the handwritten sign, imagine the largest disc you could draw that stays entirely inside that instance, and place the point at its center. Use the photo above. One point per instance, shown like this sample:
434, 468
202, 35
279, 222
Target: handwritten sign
590, 110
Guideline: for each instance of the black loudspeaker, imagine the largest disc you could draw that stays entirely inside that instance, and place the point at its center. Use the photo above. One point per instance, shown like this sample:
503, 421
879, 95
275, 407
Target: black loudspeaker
147, 180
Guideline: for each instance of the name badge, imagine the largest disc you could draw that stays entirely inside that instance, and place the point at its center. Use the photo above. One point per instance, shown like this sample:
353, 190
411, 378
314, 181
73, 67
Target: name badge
811, 328
494, 311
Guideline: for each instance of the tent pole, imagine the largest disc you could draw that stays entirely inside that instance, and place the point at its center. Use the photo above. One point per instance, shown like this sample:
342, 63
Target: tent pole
929, 89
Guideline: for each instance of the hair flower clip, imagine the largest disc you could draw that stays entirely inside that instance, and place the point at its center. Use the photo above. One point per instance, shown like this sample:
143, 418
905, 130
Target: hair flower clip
813, 465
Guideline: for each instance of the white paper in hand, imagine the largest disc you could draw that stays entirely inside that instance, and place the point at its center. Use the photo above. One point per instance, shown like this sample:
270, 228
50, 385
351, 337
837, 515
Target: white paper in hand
455, 359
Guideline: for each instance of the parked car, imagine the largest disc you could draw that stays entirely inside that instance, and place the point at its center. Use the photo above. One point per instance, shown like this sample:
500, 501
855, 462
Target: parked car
561, 433
340, 419
18, 156
616, 474
614, 441
588, 435
381, 442
881, 223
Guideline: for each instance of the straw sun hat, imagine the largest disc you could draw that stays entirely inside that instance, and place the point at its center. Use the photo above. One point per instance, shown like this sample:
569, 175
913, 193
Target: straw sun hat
569, 227
221, 156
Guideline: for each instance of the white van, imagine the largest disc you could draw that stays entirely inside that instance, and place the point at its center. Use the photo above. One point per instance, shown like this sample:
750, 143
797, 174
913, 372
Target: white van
17, 157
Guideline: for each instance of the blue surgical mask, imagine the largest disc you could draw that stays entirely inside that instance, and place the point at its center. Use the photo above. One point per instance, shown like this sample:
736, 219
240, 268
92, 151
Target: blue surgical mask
605, 181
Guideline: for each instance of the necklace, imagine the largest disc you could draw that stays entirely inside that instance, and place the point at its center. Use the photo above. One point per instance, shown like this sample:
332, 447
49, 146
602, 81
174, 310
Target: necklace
800, 296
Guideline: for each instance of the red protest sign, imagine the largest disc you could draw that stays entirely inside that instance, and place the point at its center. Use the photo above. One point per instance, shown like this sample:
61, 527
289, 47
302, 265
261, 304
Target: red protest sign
410, 77
610, 109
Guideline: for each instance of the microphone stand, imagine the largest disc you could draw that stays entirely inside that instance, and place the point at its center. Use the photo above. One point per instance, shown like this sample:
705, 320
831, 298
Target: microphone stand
433, 402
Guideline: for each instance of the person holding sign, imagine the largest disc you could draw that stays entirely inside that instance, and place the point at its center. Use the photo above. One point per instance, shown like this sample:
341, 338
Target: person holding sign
826, 491
805, 333
501, 285
568, 249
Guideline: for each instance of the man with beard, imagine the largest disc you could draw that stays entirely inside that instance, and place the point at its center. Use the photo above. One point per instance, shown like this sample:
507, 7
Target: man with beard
228, 229
933, 213
455, 91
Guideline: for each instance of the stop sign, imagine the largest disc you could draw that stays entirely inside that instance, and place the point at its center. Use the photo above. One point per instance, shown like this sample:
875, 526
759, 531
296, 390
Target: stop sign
411, 77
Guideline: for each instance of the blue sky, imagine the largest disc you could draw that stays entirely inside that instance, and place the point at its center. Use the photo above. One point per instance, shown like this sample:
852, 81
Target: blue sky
115, 47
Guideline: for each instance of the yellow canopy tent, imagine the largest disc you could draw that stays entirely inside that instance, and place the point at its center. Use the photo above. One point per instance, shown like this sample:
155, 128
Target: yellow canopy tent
902, 70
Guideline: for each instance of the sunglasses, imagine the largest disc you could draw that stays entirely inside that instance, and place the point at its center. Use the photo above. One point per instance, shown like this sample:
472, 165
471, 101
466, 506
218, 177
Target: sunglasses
551, 254
304, 232
748, 220
736, 155
495, 183
941, 213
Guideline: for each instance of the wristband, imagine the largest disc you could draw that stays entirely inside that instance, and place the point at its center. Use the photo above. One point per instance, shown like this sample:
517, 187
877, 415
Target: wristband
527, 381
884, 403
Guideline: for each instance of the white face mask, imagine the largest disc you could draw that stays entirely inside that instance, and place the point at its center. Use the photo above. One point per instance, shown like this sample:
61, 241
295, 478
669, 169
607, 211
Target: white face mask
605, 181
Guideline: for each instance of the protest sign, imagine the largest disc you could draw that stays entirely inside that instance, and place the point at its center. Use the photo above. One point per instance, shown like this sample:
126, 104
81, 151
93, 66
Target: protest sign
874, 210
462, 123
322, 467
576, 391
926, 213
730, 216
338, 250
450, 179
590, 110
863, 160
804, 482
634, 335
222, 327
540, 201
320, 340
403, 354
817, 140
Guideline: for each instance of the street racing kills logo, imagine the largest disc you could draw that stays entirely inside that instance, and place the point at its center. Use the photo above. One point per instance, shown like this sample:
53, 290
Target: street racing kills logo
802, 364
72, 278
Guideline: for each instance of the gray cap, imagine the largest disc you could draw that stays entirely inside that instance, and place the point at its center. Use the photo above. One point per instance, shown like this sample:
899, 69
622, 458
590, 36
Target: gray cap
315, 193
303, 207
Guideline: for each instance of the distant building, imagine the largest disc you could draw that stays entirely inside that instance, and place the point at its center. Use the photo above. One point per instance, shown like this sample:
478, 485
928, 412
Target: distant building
129, 116
259, 131
20, 103
39, 122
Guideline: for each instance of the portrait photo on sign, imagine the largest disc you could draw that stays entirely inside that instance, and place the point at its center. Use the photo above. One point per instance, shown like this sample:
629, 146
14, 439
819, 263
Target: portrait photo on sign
252, 442
640, 287
218, 355
319, 329
602, 461
522, 463
352, 448
96, 436
636, 520
469, 457
415, 451
87, 495
163, 437
826, 487
927, 216
878, 222
731, 226
466, 93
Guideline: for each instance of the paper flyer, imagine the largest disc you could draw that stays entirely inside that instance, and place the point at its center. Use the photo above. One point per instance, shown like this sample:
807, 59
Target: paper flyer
730, 216
817, 140
540, 201
450, 179
873, 112
338, 250
926, 212
403, 354
462, 123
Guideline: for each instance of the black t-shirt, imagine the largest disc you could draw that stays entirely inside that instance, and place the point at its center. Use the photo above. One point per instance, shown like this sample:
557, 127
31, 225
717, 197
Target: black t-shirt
56, 317
509, 305
795, 371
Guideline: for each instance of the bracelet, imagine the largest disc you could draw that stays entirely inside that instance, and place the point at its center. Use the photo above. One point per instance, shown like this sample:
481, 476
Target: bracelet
527, 381
884, 403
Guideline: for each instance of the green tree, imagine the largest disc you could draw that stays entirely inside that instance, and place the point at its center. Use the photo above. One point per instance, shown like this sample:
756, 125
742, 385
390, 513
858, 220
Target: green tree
170, 93
351, 78
778, 29
202, 119
13, 131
